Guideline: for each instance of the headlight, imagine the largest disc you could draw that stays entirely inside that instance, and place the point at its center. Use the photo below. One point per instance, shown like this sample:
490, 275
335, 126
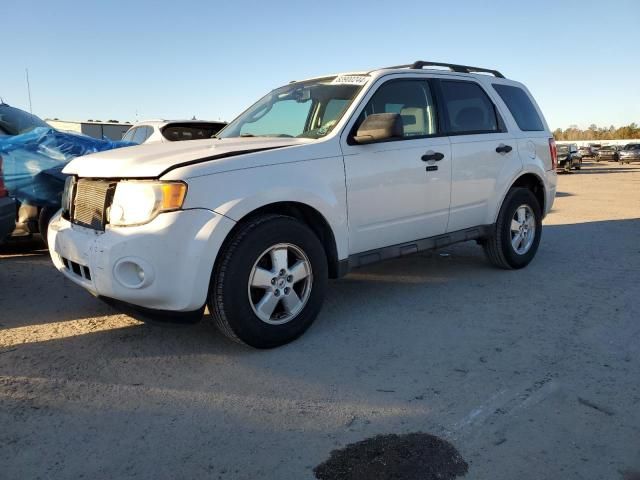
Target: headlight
67, 195
139, 202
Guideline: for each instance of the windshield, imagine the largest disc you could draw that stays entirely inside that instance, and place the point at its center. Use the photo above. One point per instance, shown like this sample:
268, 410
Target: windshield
632, 146
608, 147
306, 109
563, 148
15, 121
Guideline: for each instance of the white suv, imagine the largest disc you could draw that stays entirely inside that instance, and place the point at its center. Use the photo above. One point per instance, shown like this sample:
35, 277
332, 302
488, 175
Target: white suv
318, 177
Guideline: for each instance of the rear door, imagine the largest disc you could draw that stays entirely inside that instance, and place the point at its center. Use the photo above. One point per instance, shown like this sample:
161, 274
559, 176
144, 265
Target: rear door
395, 194
481, 148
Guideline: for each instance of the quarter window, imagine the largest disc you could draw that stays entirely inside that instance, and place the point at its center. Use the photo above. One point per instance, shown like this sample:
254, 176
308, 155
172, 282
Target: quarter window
520, 106
140, 135
468, 108
412, 100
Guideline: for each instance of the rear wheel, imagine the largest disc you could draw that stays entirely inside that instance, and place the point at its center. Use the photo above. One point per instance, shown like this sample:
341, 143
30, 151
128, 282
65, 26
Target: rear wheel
270, 282
517, 232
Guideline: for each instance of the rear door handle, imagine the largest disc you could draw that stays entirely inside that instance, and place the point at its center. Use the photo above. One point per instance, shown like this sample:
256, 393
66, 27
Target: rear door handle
431, 155
502, 148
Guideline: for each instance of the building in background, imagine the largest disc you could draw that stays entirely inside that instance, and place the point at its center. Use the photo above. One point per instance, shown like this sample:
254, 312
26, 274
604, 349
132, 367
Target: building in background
113, 130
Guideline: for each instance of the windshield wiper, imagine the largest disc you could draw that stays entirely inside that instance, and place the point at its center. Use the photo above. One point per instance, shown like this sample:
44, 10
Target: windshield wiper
247, 135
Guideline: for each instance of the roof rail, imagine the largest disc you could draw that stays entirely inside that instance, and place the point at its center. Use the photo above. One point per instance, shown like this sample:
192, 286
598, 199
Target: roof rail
453, 67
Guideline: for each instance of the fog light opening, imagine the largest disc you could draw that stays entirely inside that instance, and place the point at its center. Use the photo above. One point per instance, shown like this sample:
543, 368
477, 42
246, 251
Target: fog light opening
131, 274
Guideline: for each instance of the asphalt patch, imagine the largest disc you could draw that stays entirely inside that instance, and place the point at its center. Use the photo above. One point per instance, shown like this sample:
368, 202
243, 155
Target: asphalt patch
413, 456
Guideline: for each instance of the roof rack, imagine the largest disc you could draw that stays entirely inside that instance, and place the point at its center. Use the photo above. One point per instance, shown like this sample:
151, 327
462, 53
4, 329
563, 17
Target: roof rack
453, 67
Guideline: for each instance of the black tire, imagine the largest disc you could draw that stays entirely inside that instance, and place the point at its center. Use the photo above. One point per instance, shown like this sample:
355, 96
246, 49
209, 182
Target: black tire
498, 247
46, 214
228, 300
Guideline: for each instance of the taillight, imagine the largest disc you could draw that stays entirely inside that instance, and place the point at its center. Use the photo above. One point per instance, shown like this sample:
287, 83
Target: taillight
554, 153
3, 191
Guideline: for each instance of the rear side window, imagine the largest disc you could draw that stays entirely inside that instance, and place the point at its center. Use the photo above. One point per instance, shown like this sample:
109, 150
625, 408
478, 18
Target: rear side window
520, 106
468, 108
141, 134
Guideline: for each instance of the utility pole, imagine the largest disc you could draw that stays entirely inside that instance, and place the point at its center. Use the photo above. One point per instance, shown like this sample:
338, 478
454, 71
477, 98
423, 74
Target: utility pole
29, 90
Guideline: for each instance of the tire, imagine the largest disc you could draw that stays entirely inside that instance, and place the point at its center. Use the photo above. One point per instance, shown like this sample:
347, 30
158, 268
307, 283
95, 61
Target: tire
43, 222
498, 247
579, 166
235, 304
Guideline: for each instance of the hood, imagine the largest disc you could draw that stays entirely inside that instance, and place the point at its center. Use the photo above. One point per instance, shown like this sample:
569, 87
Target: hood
154, 159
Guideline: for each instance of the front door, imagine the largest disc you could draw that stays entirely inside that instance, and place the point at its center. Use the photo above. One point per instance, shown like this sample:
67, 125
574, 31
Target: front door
395, 194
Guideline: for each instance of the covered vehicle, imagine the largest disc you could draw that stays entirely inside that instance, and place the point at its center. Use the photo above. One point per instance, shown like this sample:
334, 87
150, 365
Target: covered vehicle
630, 153
33, 155
164, 131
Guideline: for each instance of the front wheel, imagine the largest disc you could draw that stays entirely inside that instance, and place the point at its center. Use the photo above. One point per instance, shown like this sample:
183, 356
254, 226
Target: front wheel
518, 228
269, 284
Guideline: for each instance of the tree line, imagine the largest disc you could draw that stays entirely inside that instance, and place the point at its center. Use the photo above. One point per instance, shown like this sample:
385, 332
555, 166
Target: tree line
598, 133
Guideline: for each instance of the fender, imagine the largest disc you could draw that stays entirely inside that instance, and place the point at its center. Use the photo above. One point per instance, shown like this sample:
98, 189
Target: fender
531, 169
319, 184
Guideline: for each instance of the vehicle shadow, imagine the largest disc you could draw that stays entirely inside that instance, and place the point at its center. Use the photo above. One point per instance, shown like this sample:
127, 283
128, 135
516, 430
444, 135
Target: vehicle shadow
605, 168
400, 300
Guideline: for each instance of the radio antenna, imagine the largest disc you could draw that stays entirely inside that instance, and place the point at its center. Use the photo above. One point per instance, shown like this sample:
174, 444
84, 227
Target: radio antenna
29, 90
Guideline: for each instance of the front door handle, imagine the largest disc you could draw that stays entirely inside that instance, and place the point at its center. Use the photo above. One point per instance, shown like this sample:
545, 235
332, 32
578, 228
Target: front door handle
502, 148
431, 155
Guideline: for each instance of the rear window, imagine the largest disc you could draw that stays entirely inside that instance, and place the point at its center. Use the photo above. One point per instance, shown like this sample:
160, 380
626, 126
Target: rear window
196, 131
520, 106
14, 121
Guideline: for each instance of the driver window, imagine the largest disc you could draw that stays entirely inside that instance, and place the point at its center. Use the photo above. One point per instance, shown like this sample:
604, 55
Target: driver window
411, 99
286, 117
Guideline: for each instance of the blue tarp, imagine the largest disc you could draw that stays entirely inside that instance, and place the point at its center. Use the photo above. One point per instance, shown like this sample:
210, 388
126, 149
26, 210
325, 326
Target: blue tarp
32, 162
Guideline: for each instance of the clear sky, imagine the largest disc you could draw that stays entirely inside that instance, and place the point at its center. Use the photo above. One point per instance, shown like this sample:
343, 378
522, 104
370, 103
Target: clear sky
129, 60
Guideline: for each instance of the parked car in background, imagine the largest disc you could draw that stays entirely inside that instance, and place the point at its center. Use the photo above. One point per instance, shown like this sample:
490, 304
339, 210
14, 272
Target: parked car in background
630, 153
318, 177
7, 210
172, 131
569, 157
587, 152
608, 152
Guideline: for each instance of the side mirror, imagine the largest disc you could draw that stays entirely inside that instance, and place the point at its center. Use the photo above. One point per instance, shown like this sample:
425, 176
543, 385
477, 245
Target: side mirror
379, 126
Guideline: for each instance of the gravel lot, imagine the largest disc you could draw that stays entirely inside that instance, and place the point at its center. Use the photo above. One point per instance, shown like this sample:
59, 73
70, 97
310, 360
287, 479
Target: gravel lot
531, 374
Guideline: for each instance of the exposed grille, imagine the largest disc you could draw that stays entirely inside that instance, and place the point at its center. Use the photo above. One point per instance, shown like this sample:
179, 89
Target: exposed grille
91, 199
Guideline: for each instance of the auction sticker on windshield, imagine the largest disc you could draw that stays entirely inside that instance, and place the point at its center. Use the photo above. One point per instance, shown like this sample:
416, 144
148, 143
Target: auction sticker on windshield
350, 80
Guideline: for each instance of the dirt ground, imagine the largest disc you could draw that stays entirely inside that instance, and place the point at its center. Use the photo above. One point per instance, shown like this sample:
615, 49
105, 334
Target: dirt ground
531, 374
